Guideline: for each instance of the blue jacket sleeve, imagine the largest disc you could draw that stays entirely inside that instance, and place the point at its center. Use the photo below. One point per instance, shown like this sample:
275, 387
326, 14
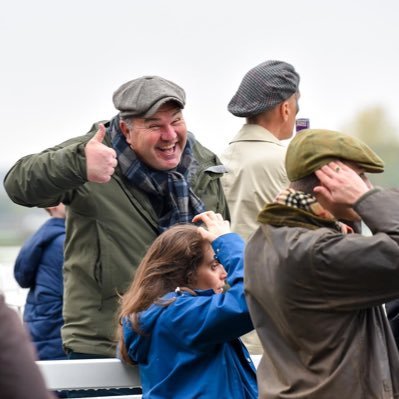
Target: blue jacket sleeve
214, 318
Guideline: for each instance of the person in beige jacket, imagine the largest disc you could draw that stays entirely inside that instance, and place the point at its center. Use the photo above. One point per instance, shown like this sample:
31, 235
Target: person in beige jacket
268, 98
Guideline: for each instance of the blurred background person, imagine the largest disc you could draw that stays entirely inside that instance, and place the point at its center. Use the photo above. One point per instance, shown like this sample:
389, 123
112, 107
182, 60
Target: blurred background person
268, 98
39, 267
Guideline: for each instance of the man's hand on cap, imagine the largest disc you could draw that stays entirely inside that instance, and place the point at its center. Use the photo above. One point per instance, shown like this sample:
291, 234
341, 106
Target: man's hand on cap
100, 159
340, 184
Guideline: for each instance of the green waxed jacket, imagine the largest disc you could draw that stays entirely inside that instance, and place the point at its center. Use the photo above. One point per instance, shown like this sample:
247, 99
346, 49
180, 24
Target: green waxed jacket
109, 228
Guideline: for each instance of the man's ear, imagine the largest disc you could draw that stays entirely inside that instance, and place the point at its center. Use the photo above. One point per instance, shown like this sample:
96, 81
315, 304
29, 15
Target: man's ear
284, 110
124, 128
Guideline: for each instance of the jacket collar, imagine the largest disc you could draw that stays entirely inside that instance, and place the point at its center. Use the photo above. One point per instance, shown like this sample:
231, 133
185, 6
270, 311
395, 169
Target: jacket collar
251, 132
283, 215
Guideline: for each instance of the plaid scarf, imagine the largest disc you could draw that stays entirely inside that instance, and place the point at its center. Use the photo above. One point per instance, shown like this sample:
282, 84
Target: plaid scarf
296, 208
172, 187
301, 200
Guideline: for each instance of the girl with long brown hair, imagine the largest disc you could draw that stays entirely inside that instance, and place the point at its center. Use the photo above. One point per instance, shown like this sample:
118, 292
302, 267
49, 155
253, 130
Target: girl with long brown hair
180, 325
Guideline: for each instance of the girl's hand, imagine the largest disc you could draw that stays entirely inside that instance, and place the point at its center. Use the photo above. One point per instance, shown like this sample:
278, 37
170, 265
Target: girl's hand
215, 225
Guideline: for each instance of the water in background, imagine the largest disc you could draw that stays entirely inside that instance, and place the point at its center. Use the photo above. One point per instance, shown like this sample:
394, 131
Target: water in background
14, 294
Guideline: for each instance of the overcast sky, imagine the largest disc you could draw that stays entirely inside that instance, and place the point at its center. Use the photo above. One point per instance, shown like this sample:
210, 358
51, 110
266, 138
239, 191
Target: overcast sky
61, 61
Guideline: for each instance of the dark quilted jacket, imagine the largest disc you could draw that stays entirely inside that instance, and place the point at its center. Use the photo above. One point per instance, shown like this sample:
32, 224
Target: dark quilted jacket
39, 268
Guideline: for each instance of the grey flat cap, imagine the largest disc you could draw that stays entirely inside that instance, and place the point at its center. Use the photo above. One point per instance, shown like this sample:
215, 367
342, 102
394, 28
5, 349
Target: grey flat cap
143, 96
263, 87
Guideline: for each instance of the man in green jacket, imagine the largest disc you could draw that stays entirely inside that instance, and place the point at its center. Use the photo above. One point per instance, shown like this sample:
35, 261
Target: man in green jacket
124, 182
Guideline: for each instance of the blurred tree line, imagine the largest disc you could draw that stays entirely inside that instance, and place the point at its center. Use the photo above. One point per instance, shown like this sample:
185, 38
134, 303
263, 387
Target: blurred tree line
17, 222
373, 126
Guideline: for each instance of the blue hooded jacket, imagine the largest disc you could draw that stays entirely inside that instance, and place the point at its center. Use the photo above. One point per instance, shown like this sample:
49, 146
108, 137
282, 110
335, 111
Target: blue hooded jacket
39, 268
191, 348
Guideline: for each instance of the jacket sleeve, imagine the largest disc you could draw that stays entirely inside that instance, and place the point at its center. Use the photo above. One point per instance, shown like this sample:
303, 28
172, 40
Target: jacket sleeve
353, 271
205, 320
46, 178
392, 309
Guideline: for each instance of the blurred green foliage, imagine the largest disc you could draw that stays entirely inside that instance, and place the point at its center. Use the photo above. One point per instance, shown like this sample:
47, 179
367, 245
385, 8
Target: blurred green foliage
374, 127
17, 223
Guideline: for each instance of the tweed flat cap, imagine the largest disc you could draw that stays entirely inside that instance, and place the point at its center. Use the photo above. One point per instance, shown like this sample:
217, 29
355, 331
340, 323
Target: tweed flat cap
143, 96
310, 149
263, 87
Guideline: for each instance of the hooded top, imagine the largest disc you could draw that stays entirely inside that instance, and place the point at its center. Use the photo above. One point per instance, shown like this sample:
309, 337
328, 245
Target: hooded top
190, 348
39, 268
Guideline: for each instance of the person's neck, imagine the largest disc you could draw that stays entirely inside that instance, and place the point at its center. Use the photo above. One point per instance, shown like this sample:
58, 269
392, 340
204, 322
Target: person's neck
274, 129
268, 124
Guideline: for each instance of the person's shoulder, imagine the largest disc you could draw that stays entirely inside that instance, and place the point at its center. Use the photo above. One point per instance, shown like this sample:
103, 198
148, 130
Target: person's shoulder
85, 136
53, 224
203, 155
55, 221
50, 230
182, 302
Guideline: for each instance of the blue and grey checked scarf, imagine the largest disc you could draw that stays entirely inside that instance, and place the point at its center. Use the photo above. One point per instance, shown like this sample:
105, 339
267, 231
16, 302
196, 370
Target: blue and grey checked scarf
170, 187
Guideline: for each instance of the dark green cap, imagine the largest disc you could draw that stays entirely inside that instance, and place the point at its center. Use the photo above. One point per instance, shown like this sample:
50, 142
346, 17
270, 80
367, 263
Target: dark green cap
310, 149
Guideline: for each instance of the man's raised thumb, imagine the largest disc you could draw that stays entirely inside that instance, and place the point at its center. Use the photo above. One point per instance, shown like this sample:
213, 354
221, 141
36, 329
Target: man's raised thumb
100, 134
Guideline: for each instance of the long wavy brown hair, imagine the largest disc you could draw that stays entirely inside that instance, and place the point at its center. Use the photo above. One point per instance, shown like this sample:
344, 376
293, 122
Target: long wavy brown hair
170, 262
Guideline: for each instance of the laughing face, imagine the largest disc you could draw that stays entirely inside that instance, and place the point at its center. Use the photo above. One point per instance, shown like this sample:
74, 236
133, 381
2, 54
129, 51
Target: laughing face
159, 140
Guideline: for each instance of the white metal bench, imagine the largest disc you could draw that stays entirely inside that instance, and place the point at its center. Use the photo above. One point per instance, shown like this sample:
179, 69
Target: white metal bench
94, 374
90, 374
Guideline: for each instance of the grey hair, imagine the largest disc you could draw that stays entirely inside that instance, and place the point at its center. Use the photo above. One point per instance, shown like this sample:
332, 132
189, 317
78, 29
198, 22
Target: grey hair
128, 120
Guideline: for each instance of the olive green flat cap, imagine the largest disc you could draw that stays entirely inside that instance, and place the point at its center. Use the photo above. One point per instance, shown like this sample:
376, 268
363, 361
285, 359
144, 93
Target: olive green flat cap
310, 149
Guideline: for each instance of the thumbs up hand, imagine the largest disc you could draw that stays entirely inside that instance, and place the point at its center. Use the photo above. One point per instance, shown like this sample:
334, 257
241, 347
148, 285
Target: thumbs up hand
100, 159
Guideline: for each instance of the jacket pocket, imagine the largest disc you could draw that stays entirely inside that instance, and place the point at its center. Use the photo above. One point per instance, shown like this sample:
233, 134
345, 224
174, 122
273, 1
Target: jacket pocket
103, 269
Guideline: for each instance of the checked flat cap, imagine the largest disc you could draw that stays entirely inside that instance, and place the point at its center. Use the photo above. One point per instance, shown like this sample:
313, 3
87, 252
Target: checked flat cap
263, 87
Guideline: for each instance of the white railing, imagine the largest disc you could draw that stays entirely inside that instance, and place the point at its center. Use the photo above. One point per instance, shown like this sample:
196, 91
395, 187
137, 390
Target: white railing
94, 374
15, 296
